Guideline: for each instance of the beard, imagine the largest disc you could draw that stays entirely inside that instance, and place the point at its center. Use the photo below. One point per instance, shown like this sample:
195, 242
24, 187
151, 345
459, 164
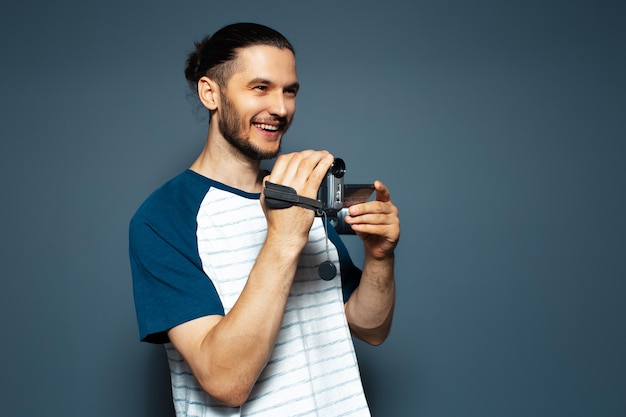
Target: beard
231, 125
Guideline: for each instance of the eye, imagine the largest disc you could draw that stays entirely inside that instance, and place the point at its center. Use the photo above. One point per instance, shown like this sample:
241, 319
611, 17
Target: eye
291, 91
260, 87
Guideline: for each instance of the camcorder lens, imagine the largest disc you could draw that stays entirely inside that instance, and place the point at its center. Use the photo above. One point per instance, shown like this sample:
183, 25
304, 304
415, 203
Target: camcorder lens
338, 168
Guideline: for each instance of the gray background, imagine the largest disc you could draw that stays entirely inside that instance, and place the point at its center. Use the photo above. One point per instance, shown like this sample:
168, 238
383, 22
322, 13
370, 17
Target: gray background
499, 127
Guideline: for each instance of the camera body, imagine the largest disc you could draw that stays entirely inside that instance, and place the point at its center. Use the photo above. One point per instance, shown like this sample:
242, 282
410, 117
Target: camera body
336, 196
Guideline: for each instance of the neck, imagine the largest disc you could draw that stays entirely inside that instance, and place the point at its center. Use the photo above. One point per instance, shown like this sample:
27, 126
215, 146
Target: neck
221, 162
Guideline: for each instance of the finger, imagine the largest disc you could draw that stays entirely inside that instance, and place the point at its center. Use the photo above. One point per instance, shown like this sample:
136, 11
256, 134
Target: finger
384, 225
382, 192
389, 232
306, 171
299, 164
371, 218
375, 206
296, 164
282, 164
312, 164
322, 164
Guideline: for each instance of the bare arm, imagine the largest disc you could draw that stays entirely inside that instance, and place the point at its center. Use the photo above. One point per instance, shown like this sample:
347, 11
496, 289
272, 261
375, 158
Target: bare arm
369, 310
227, 354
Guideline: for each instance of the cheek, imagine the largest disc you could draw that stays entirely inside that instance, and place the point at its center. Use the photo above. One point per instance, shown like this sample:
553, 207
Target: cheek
291, 107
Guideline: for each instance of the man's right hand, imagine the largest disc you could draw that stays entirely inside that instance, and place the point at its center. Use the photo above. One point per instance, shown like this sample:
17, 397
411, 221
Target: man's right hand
304, 172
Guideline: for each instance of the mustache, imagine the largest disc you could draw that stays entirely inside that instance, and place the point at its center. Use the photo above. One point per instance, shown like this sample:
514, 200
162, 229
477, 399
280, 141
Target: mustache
270, 120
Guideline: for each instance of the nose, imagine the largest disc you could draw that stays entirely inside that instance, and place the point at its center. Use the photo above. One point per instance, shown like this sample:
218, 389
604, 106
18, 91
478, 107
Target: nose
278, 105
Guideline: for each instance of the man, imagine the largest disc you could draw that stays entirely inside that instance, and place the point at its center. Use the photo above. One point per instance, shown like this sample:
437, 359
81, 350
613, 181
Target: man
230, 284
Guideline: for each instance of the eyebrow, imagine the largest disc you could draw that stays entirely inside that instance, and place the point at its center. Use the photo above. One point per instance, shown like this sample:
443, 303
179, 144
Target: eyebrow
259, 80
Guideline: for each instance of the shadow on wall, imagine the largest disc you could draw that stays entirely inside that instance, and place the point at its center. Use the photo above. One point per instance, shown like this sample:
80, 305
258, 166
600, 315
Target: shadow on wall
158, 391
387, 382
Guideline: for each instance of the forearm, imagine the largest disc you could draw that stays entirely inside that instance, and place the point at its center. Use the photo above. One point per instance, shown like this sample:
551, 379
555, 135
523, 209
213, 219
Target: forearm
370, 308
229, 358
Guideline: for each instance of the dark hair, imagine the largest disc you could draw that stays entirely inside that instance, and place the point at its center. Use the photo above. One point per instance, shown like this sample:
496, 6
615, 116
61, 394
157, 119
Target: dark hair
214, 56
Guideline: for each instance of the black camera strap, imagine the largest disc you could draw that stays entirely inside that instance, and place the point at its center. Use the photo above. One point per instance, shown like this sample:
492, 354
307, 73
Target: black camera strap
281, 196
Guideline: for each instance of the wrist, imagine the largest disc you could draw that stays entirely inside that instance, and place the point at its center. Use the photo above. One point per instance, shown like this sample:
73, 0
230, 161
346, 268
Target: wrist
382, 258
285, 246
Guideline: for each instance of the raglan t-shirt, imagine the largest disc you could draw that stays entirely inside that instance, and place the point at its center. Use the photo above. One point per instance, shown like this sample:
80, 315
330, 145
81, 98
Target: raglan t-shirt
193, 243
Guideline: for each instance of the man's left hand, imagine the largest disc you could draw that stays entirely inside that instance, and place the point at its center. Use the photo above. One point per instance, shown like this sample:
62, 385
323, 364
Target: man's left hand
376, 223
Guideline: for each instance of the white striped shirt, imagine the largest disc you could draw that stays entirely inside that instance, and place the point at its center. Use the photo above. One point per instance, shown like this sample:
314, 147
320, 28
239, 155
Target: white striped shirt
313, 369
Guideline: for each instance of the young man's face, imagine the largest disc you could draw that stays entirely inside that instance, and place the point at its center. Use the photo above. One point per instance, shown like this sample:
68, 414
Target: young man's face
259, 101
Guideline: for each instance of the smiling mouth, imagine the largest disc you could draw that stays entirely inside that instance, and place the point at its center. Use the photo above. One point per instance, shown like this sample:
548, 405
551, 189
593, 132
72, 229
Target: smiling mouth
268, 127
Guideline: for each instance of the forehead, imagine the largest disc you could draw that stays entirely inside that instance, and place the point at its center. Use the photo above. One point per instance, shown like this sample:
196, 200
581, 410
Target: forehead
265, 62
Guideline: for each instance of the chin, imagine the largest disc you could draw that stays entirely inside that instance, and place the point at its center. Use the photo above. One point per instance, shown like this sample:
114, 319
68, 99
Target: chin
269, 154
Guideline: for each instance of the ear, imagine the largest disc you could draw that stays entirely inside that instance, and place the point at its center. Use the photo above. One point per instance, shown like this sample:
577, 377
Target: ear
208, 92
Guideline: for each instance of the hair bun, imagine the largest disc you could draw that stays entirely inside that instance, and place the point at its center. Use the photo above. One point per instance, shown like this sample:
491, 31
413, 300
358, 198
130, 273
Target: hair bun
193, 69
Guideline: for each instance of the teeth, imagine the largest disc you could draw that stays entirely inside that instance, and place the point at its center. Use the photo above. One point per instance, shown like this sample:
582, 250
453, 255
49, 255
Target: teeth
267, 127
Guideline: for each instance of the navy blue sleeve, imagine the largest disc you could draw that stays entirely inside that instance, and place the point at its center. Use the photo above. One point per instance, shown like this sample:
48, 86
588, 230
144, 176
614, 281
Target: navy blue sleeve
169, 284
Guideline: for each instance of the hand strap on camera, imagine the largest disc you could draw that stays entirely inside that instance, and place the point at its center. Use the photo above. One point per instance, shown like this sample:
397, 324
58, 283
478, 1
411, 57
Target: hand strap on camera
281, 196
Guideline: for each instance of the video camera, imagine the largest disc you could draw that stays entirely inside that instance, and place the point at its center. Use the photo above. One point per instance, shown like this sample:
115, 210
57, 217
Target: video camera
336, 196
333, 197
